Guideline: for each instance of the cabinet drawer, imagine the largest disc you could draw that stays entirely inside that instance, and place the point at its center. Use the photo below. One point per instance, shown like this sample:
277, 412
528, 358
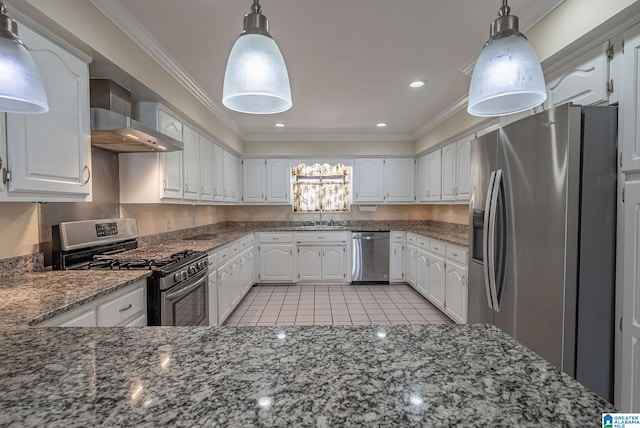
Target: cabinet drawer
458, 254
437, 247
276, 237
212, 260
234, 249
121, 308
87, 319
397, 237
412, 238
424, 242
140, 321
303, 237
224, 254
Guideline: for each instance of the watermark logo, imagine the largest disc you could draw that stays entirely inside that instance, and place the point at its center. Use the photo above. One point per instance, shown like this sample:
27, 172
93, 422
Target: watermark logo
621, 420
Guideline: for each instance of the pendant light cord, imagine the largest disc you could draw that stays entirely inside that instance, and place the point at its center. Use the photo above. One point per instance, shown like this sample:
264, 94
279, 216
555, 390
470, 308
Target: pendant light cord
505, 9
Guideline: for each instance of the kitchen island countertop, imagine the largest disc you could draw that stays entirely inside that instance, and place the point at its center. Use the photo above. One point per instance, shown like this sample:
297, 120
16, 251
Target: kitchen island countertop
284, 376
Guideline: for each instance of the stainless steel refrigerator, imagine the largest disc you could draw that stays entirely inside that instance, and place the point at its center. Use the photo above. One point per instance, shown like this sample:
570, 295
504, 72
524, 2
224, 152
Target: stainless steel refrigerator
542, 233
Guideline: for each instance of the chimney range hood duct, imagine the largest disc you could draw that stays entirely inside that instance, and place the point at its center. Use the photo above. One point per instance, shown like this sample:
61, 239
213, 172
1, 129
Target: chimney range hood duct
112, 127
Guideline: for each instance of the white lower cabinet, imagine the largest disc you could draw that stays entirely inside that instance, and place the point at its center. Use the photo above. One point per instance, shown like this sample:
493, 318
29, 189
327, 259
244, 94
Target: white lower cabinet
396, 256
123, 308
437, 281
225, 284
322, 263
213, 289
438, 271
309, 263
276, 257
456, 295
234, 277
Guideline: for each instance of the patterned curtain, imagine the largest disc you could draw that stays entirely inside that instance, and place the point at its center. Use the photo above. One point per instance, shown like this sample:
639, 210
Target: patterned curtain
319, 188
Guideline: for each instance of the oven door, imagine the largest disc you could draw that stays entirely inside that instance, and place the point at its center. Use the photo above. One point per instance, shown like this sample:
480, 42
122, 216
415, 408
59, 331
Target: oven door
186, 304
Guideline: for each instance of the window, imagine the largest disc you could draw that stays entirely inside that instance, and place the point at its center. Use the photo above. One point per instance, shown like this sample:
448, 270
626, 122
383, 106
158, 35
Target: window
321, 188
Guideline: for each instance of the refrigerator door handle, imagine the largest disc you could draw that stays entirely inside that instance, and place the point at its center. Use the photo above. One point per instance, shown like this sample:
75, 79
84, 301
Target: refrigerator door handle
491, 256
486, 239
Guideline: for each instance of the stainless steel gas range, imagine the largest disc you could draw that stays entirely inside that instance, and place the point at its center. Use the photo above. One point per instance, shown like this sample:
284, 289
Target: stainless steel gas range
177, 290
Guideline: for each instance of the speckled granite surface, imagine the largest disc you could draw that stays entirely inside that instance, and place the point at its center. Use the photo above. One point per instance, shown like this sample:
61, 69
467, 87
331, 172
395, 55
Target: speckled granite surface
15, 266
37, 297
404, 376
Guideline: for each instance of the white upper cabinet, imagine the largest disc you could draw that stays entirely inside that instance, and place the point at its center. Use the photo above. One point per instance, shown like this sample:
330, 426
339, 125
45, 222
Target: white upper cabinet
368, 181
218, 174
399, 179
422, 178
463, 168
631, 97
253, 180
278, 181
191, 163
582, 81
449, 160
206, 169
232, 178
434, 183
49, 155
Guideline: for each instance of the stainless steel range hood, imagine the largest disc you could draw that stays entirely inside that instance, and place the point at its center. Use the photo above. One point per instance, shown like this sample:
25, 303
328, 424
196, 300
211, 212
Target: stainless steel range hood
112, 127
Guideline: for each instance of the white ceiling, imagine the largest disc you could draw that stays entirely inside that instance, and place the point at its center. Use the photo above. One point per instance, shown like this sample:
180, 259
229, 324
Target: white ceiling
349, 61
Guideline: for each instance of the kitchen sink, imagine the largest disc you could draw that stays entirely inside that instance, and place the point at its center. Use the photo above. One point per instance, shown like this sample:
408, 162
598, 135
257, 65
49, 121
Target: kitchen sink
321, 227
203, 237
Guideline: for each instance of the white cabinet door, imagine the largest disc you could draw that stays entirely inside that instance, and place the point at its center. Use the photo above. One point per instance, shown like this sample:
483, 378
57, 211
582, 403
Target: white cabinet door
437, 281
276, 262
583, 81
213, 297
399, 179
411, 258
310, 263
630, 372
253, 180
368, 180
191, 160
172, 181
422, 179
225, 284
278, 181
218, 174
229, 177
449, 173
206, 169
463, 168
434, 188
456, 292
168, 124
122, 308
422, 272
395, 262
50, 153
631, 100
334, 260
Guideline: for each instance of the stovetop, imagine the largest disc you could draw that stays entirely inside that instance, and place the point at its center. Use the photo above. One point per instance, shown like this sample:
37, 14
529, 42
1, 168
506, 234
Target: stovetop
136, 259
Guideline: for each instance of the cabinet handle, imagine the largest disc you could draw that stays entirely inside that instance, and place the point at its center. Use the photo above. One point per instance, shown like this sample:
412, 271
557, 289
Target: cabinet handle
164, 185
86, 168
186, 187
126, 308
454, 254
275, 238
201, 190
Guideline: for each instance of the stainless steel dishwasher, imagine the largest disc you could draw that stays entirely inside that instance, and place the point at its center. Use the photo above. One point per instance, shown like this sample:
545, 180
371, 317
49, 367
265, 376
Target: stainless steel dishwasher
370, 257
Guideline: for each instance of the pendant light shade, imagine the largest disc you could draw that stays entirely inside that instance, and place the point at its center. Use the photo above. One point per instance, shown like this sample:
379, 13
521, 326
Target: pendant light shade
21, 87
507, 77
256, 79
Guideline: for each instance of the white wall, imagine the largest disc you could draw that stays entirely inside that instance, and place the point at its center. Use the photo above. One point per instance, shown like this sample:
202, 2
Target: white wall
329, 149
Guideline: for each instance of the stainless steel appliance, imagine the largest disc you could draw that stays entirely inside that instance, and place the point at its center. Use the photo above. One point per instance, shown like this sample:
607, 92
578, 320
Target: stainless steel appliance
542, 237
177, 290
370, 257
112, 127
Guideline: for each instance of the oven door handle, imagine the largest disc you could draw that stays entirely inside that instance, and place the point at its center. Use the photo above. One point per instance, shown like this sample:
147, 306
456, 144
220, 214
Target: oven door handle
184, 291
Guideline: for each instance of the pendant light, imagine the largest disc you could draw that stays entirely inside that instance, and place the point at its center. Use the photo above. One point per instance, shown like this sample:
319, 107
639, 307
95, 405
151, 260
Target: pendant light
256, 79
21, 87
507, 77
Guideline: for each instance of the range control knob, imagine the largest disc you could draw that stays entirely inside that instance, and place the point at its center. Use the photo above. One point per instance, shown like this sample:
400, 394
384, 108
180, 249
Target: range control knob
201, 265
180, 276
193, 269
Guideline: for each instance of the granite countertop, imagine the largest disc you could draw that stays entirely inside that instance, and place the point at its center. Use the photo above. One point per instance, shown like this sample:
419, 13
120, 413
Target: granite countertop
436, 376
37, 297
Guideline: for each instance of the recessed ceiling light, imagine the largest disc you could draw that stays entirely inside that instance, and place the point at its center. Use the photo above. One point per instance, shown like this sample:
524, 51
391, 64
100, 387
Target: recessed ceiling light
279, 125
381, 124
417, 84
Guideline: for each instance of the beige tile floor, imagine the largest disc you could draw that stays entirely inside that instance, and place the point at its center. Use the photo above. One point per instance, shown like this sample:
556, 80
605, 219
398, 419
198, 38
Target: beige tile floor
334, 305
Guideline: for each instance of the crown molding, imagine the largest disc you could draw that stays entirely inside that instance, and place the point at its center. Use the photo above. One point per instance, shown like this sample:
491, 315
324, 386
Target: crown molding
327, 137
121, 18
